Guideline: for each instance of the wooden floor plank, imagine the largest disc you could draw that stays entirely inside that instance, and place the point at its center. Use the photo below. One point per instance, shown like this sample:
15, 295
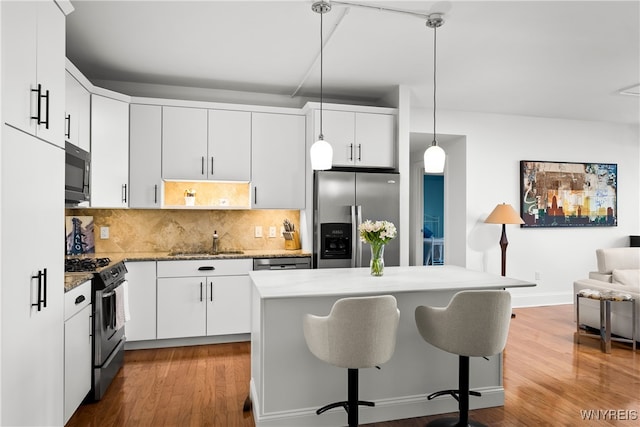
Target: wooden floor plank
549, 381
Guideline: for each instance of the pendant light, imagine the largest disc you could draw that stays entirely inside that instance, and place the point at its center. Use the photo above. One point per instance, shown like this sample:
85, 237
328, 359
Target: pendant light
321, 152
434, 156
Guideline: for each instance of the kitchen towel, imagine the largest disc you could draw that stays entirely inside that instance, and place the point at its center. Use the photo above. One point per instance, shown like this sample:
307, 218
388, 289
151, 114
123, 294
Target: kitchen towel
122, 304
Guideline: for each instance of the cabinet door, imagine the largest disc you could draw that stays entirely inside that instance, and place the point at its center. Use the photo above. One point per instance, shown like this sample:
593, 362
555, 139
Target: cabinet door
109, 152
228, 305
19, 29
338, 130
32, 341
77, 360
78, 113
182, 307
184, 143
375, 140
145, 156
278, 161
229, 146
142, 301
50, 69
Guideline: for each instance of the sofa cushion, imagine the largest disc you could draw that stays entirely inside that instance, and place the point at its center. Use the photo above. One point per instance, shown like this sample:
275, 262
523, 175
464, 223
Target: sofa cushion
627, 277
610, 259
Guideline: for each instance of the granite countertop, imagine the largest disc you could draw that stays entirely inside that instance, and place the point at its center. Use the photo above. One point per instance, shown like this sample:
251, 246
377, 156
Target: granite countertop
72, 280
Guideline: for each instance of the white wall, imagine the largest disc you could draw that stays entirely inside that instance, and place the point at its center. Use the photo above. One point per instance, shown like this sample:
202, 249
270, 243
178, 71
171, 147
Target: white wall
495, 144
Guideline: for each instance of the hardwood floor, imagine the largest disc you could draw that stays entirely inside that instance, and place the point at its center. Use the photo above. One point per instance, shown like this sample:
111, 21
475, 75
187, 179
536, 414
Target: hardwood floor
548, 380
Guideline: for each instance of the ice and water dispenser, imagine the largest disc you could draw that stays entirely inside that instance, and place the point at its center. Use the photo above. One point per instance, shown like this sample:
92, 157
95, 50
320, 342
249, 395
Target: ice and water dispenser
335, 241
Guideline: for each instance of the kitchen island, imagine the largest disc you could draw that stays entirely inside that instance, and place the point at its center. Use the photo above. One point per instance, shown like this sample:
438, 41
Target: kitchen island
288, 383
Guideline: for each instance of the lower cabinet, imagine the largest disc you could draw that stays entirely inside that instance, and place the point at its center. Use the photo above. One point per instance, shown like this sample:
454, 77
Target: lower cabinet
203, 298
77, 347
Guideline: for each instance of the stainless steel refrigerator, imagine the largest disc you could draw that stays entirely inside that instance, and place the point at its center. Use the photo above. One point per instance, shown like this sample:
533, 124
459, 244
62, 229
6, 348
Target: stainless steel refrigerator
342, 201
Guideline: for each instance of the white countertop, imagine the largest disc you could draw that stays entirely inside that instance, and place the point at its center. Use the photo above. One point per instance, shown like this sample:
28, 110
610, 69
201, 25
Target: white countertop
358, 281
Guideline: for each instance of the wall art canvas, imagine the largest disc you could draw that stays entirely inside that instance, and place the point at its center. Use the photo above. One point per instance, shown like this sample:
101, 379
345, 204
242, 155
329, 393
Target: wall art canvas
79, 236
557, 194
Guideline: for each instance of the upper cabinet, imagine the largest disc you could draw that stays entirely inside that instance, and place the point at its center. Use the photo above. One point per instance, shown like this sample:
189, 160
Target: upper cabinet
360, 139
200, 144
33, 45
229, 145
109, 152
78, 114
145, 154
278, 161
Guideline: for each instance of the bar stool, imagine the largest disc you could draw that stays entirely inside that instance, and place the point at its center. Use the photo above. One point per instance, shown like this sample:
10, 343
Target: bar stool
474, 324
359, 332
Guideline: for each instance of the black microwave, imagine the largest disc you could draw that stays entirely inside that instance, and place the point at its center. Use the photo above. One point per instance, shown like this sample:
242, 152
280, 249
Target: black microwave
76, 176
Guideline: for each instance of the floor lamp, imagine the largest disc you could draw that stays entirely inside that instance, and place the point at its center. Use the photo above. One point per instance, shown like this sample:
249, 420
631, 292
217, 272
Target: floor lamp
504, 214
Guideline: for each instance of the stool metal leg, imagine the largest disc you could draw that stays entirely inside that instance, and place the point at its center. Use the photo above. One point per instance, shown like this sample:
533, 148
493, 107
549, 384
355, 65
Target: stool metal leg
352, 398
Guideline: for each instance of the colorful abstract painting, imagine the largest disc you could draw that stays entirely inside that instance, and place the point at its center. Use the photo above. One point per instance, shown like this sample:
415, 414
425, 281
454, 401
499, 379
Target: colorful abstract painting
556, 194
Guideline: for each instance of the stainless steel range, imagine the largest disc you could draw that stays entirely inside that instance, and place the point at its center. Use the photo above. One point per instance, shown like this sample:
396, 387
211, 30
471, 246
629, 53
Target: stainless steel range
108, 330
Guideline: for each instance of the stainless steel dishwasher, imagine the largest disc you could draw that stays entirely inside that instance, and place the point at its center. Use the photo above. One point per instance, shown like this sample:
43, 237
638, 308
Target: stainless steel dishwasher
283, 263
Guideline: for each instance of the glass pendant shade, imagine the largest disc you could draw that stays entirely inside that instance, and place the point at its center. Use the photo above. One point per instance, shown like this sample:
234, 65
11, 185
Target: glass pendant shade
321, 154
434, 157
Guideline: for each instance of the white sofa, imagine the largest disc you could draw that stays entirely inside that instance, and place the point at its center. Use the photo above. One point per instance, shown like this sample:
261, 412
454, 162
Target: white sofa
618, 270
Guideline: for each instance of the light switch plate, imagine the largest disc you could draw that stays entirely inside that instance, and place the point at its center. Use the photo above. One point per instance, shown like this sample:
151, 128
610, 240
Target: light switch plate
258, 231
272, 231
104, 232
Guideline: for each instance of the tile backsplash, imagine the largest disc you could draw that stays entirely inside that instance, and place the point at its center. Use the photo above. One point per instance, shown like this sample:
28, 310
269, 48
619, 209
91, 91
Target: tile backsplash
162, 230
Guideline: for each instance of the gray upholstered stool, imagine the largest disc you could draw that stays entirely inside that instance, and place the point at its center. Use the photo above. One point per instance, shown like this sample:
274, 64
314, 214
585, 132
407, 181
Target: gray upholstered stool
357, 333
475, 323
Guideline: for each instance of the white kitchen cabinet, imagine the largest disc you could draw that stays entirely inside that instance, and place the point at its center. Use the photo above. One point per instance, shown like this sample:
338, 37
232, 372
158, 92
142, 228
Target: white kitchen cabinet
229, 145
200, 144
77, 113
358, 138
32, 229
141, 276
109, 152
145, 156
184, 143
278, 161
33, 46
203, 297
77, 347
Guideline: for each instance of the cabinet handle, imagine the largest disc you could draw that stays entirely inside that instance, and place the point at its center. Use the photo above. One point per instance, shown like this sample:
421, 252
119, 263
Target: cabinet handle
80, 299
211, 165
67, 119
124, 193
42, 289
211, 290
206, 268
200, 291
351, 152
155, 194
255, 195
40, 96
359, 152
202, 166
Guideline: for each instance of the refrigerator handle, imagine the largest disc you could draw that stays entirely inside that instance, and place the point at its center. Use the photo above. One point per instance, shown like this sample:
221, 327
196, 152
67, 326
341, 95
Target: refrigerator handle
359, 242
354, 236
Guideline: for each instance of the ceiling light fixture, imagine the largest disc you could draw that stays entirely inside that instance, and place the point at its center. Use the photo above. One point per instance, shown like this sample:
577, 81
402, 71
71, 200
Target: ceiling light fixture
434, 155
321, 152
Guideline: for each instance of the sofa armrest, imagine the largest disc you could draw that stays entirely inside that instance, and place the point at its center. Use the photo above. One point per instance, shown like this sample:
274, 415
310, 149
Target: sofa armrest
603, 277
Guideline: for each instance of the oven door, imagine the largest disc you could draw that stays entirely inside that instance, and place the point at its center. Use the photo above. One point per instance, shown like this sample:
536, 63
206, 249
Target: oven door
107, 335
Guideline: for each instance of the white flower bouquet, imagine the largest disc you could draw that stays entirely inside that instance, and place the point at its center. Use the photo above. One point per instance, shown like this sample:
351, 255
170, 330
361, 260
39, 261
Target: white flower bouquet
377, 234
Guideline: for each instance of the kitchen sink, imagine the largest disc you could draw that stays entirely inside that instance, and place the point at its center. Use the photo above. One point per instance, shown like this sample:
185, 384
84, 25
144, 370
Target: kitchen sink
225, 252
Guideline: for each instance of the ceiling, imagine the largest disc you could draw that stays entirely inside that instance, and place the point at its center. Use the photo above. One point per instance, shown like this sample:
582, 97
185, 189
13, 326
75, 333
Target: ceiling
563, 59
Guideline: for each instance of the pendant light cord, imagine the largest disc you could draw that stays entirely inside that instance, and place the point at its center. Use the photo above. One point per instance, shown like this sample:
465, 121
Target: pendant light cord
321, 76
434, 85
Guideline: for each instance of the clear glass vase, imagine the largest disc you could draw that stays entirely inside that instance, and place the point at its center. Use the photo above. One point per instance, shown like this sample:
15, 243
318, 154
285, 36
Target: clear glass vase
377, 259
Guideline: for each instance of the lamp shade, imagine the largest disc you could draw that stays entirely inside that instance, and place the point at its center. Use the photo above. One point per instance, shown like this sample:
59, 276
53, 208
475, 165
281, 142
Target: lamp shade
504, 214
321, 154
434, 158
